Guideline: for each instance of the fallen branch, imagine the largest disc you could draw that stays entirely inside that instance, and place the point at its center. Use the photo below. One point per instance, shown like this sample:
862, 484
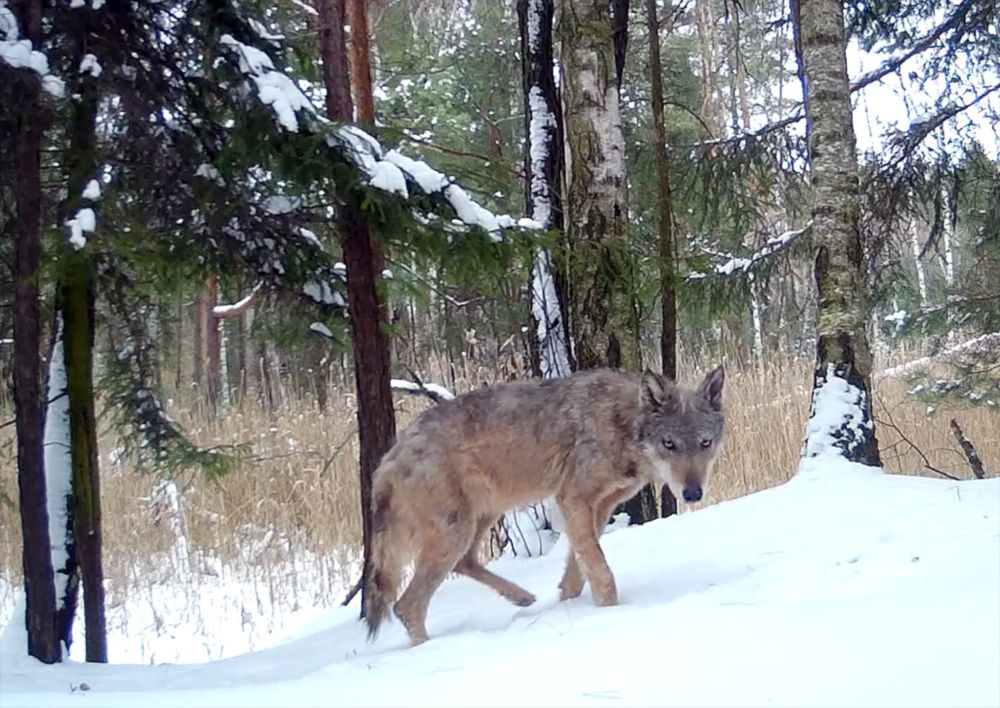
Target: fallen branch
969, 449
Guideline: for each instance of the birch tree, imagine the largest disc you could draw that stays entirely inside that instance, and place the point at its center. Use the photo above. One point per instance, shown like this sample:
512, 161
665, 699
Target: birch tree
595, 200
841, 421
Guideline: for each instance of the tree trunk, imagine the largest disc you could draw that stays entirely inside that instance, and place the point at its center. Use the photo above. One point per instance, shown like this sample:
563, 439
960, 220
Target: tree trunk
595, 204
619, 29
543, 187
212, 343
78, 316
711, 104
668, 269
77, 285
361, 74
39, 587
59, 484
842, 308
376, 417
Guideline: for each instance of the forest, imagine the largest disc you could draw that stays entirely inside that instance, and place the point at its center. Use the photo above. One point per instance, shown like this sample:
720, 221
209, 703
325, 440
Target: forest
244, 244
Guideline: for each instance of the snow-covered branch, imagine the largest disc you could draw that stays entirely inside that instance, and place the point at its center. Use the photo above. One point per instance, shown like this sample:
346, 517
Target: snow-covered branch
435, 392
738, 265
238, 308
17, 53
390, 172
979, 345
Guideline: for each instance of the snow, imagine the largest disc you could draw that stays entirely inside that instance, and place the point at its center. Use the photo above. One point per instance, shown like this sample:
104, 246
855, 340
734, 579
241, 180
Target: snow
735, 265
433, 388
311, 237
320, 328
836, 417
58, 462
553, 349
18, 54
429, 179
280, 204
90, 65
975, 346
274, 88
239, 306
540, 127
389, 178
843, 587
321, 292
92, 191
209, 172
85, 221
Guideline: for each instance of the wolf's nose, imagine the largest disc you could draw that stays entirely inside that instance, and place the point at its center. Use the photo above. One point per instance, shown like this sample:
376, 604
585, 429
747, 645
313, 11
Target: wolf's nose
692, 494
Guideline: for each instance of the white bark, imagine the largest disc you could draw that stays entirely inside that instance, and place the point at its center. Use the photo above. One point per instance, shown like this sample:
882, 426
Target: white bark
921, 275
758, 329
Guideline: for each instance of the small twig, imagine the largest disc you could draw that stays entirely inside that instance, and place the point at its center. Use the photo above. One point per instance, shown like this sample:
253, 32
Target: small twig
354, 591
927, 463
969, 449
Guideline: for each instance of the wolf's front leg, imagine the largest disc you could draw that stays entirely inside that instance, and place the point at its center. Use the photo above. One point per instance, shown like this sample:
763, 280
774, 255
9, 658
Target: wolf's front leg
571, 584
579, 518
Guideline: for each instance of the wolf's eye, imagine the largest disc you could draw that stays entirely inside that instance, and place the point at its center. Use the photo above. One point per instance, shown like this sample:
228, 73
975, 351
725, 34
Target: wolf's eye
706, 443
669, 444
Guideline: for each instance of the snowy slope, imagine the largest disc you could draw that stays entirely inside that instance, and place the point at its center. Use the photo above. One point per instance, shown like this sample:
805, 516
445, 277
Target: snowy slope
843, 587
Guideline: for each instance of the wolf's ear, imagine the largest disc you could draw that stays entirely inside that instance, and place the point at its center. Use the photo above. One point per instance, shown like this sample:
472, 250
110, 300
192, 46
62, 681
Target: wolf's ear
655, 392
711, 388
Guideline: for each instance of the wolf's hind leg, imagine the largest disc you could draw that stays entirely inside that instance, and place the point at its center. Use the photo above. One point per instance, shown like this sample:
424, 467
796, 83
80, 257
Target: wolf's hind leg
439, 553
470, 566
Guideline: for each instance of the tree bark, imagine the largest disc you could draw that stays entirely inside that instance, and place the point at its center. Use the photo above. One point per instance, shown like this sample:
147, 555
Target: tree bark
543, 187
77, 288
376, 417
213, 344
39, 586
595, 203
842, 309
668, 269
619, 29
361, 73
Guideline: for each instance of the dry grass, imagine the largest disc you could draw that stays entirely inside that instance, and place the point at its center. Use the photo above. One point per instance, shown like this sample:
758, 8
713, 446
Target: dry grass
299, 497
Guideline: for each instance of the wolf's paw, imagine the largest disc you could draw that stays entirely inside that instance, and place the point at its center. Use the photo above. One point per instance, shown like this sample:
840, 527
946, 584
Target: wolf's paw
523, 600
606, 599
567, 592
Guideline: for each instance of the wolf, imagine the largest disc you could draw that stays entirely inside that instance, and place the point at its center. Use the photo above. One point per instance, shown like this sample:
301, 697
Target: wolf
592, 440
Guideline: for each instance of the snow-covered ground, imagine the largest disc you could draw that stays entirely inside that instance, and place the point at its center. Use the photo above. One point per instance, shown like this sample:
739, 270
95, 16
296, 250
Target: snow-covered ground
844, 587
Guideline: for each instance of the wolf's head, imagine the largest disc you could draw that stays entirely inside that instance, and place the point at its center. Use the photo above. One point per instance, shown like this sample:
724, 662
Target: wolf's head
680, 430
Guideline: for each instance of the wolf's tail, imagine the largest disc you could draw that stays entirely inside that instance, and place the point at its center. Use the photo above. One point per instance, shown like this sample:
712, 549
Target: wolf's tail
387, 561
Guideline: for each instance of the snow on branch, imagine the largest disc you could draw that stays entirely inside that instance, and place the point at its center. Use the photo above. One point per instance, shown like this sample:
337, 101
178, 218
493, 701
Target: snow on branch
435, 392
17, 53
392, 172
238, 308
738, 265
980, 345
